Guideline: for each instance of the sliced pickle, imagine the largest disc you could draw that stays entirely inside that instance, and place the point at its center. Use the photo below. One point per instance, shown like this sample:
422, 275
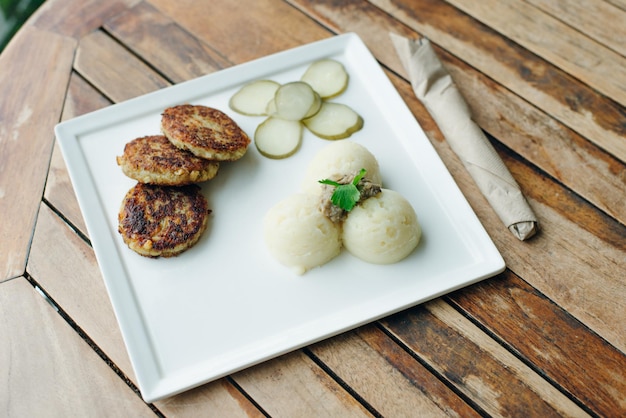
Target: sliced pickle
327, 77
334, 121
252, 99
278, 138
296, 101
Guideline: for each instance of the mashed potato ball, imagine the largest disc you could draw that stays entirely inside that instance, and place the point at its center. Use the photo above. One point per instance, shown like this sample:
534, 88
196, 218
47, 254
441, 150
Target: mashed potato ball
340, 157
383, 229
298, 235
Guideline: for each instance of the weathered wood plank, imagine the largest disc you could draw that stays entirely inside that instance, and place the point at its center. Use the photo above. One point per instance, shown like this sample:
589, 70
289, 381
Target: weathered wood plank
116, 73
81, 98
476, 365
590, 248
565, 350
82, 285
165, 45
597, 19
36, 68
234, 29
563, 97
556, 42
47, 369
544, 142
387, 377
294, 386
76, 18
77, 286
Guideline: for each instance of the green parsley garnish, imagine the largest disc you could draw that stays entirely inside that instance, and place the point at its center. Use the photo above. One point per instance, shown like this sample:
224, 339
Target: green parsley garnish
346, 196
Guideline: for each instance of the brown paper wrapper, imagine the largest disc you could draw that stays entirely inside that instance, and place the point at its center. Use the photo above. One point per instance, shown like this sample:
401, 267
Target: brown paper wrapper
435, 88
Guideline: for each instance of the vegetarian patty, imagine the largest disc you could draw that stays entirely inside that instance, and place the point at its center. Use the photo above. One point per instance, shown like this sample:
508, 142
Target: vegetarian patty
208, 133
155, 160
162, 221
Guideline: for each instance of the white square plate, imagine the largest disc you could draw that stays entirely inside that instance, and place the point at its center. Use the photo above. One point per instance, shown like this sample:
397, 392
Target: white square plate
225, 304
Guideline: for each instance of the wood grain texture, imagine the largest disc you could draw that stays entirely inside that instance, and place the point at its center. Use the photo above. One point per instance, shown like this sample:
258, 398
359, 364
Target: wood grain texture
29, 109
566, 351
116, 73
165, 45
236, 31
81, 98
387, 377
552, 147
47, 369
82, 285
77, 286
480, 368
559, 94
294, 386
77, 18
599, 20
568, 49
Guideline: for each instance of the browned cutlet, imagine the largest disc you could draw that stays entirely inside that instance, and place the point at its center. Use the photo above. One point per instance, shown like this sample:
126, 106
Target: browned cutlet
208, 133
162, 221
155, 160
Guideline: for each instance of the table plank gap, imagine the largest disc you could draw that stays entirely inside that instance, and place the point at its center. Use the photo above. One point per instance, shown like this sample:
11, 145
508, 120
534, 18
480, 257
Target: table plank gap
169, 48
552, 341
26, 134
542, 140
81, 98
363, 358
51, 369
581, 108
118, 74
233, 31
83, 297
576, 54
600, 20
293, 385
603, 217
81, 333
466, 356
77, 18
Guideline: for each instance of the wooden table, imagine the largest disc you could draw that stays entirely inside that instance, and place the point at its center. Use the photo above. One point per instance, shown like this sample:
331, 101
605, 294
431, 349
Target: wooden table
545, 79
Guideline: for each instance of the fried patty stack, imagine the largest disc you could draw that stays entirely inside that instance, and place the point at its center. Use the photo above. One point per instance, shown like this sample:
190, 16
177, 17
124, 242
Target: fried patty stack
206, 132
165, 213
155, 160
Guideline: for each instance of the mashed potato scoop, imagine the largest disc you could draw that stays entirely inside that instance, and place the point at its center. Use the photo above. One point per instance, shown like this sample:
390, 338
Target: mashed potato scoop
298, 235
383, 229
339, 158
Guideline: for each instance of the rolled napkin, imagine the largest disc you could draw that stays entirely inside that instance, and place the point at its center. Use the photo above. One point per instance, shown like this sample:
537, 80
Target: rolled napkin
435, 88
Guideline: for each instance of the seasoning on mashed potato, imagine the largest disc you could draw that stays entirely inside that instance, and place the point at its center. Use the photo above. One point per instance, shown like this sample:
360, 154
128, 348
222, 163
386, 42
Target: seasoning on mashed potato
382, 229
339, 158
298, 235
